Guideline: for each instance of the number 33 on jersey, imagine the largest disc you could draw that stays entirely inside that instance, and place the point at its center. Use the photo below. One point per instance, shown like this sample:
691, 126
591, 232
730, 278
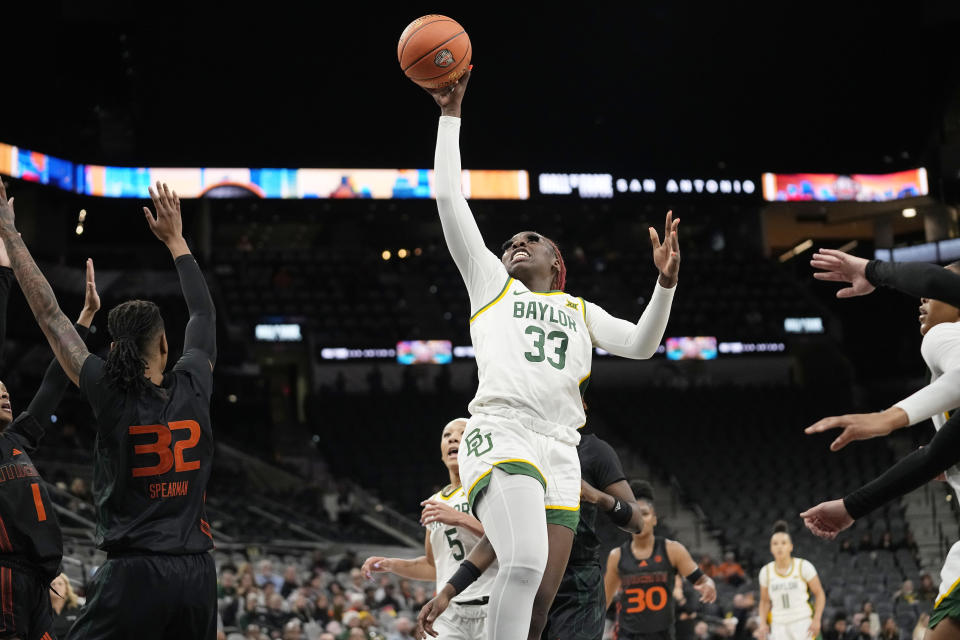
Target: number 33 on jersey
534, 350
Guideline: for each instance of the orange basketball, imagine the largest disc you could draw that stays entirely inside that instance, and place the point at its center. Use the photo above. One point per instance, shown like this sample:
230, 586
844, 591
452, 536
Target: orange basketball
434, 51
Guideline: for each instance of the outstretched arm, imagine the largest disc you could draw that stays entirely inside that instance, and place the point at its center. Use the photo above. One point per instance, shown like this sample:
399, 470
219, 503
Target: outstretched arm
827, 519
201, 333
55, 381
482, 271
641, 340
918, 279
6, 283
66, 343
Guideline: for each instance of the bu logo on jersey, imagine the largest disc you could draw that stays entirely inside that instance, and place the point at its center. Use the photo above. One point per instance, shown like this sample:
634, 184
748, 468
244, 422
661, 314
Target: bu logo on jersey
475, 441
443, 58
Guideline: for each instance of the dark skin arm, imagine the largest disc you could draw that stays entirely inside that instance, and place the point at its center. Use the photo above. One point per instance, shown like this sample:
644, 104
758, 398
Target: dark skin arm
606, 499
64, 340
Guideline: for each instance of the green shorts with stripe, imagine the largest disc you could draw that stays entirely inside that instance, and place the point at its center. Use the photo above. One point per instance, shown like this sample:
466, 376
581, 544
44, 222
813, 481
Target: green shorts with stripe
947, 607
493, 441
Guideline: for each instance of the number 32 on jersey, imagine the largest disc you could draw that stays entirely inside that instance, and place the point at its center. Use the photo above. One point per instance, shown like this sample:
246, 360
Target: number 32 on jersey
165, 457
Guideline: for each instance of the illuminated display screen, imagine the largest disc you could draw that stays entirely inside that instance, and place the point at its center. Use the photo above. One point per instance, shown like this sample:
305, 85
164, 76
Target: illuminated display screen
424, 352
688, 348
278, 332
132, 182
830, 187
605, 185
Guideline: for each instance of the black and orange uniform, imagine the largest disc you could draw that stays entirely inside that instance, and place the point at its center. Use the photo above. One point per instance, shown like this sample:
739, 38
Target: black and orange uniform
645, 605
578, 610
31, 543
153, 457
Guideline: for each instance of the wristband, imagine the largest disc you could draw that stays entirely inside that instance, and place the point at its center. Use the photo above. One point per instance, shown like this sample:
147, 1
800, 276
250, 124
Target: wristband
464, 576
695, 576
621, 513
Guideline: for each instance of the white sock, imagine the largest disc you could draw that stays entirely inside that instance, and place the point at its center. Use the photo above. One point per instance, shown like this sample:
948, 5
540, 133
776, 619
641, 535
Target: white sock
513, 517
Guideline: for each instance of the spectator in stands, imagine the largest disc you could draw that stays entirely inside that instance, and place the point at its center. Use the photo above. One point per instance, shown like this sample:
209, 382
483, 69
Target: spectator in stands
349, 559
701, 630
405, 594
839, 629
403, 629
867, 613
356, 634
847, 547
730, 570
327, 636
886, 541
910, 544
293, 630
905, 599
244, 244
253, 633
389, 598
228, 598
246, 584
290, 581
920, 629
865, 630
707, 566
65, 608
369, 625
420, 598
744, 606
254, 613
927, 592
890, 630
266, 575
866, 542
300, 607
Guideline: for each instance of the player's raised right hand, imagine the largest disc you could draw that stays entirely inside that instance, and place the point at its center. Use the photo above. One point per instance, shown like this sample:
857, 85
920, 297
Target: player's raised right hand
375, 564
450, 97
842, 267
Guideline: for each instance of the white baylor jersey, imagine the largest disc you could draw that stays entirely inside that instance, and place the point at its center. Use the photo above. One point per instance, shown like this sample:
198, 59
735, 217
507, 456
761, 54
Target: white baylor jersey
533, 354
789, 596
451, 545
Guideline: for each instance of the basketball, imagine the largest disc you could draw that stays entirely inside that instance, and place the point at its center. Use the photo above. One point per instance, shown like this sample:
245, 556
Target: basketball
434, 51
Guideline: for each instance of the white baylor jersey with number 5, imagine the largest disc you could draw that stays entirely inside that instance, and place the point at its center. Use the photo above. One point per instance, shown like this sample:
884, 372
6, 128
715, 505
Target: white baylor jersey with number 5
533, 353
451, 545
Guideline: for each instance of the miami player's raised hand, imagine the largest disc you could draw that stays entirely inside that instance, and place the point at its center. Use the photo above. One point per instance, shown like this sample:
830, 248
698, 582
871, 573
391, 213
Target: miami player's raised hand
91, 301
827, 519
168, 223
838, 266
449, 98
666, 255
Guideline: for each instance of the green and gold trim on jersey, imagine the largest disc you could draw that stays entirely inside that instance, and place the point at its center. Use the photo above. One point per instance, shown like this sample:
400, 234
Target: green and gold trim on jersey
514, 466
499, 297
448, 492
568, 517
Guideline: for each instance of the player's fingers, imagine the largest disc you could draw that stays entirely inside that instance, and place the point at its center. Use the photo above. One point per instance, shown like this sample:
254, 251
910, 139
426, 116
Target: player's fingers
831, 276
3, 190
825, 424
668, 223
842, 440
90, 275
654, 238
849, 292
149, 216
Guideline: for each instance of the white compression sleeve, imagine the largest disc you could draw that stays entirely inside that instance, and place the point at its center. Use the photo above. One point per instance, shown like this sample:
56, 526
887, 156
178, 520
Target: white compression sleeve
638, 341
482, 271
513, 517
941, 352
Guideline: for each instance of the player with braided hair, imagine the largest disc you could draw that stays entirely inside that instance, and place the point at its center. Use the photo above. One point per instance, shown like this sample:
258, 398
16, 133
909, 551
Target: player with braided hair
154, 446
533, 343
